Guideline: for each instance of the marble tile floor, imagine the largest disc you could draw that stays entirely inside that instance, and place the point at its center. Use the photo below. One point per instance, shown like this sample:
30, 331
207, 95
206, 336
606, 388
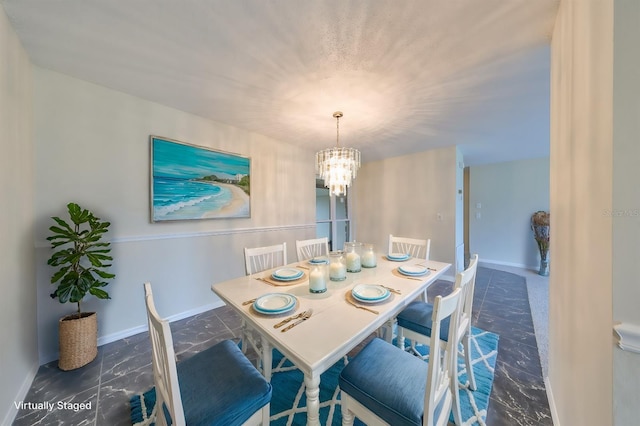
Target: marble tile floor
123, 368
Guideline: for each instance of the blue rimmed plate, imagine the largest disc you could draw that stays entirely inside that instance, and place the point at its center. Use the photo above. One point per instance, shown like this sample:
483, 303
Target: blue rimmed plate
275, 303
398, 257
370, 293
287, 274
319, 261
413, 270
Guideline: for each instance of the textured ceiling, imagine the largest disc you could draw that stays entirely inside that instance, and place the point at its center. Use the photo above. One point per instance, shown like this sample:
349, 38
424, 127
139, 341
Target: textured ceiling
408, 75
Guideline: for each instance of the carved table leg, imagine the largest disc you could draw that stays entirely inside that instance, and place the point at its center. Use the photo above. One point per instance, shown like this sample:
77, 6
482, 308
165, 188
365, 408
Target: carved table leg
313, 401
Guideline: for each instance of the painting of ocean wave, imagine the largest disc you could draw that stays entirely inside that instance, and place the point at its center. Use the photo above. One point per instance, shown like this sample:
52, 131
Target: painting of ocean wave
193, 182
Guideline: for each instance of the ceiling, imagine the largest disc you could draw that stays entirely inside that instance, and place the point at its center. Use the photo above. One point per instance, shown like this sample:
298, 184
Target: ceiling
408, 76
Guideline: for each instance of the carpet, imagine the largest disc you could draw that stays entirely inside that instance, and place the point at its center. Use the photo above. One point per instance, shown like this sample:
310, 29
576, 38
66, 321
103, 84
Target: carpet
288, 404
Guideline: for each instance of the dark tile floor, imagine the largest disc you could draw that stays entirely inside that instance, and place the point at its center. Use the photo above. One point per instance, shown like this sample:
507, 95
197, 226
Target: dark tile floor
123, 368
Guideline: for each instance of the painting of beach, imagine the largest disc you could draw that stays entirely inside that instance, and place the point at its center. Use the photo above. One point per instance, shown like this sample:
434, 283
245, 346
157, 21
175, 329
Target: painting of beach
194, 182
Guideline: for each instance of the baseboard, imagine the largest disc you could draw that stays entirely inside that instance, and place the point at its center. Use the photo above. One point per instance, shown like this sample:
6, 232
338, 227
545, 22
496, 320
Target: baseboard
552, 403
489, 262
22, 393
123, 334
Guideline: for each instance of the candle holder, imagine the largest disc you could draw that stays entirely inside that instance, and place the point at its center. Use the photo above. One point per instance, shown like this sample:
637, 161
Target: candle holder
353, 250
337, 266
318, 278
369, 256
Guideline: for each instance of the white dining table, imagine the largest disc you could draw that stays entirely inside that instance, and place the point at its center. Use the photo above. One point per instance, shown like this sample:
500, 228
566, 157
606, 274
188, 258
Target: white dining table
335, 327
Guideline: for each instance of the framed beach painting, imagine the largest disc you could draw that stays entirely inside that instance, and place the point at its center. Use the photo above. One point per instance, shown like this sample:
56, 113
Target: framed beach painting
194, 182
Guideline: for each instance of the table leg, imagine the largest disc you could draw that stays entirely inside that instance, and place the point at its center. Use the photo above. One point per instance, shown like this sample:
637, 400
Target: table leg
312, 384
267, 359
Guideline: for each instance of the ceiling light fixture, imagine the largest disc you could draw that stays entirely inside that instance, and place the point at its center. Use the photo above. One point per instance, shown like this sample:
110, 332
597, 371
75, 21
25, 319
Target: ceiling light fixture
337, 166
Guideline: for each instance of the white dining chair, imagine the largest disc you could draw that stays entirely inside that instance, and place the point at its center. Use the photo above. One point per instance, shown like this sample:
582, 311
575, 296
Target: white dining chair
216, 386
414, 323
258, 259
384, 385
416, 248
308, 249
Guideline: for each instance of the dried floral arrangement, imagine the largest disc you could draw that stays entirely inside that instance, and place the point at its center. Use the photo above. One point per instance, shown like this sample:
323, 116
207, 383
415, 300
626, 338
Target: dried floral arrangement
540, 225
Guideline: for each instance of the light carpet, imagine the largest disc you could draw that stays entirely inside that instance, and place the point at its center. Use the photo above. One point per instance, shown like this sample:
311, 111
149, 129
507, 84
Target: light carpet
288, 404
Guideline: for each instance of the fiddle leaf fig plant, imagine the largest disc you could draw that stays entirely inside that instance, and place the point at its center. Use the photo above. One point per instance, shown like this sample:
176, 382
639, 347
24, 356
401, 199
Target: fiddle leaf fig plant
82, 255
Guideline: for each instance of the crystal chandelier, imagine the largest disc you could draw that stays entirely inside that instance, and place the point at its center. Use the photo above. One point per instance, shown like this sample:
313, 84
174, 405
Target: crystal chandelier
337, 166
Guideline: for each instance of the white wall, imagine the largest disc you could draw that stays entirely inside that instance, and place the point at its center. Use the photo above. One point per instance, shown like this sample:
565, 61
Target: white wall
18, 352
580, 284
403, 196
508, 193
626, 204
92, 147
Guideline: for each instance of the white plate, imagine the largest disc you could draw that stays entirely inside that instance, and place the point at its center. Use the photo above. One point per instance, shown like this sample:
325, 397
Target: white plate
370, 293
412, 270
287, 274
319, 261
398, 257
275, 303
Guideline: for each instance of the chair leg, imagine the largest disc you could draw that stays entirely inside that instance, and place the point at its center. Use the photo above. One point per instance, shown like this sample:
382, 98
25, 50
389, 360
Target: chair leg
266, 415
466, 342
400, 338
455, 396
347, 415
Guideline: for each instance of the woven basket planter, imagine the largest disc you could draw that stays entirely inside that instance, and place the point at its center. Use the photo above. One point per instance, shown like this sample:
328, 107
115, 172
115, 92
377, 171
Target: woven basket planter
78, 340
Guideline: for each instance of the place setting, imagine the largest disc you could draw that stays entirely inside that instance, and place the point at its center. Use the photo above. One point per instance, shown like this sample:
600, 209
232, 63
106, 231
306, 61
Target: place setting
398, 257
411, 271
284, 277
362, 296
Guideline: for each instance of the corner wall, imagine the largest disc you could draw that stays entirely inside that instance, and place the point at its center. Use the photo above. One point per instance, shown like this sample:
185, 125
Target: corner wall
92, 147
18, 352
580, 285
404, 195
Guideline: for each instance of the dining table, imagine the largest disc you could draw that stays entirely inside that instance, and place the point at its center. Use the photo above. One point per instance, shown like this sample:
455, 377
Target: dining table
338, 321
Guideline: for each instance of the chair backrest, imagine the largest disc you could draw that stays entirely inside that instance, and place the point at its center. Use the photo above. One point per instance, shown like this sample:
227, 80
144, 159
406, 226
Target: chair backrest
258, 259
418, 249
308, 249
438, 397
165, 373
466, 281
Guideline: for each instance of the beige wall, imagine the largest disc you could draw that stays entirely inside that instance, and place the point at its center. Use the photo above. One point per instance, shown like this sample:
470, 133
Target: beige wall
580, 311
404, 195
18, 352
92, 147
625, 214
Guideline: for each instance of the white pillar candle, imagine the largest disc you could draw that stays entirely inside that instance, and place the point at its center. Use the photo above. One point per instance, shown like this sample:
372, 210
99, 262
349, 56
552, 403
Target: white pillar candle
317, 283
369, 259
337, 271
353, 262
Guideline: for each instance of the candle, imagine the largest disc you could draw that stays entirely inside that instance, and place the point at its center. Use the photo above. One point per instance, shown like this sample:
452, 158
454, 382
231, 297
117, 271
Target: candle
369, 259
317, 283
353, 262
337, 271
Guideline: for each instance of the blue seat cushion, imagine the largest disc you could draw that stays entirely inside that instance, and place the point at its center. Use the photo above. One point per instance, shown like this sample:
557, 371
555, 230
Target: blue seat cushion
219, 386
388, 381
417, 316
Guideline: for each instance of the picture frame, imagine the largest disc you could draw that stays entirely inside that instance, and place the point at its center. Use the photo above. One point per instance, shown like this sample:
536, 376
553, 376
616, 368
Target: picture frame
192, 182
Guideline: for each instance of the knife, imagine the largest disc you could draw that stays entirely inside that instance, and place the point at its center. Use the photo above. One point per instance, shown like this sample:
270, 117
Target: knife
305, 317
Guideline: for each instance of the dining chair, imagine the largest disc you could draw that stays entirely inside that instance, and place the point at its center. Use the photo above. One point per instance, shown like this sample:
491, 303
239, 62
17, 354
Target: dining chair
258, 259
216, 386
414, 322
384, 385
308, 249
416, 248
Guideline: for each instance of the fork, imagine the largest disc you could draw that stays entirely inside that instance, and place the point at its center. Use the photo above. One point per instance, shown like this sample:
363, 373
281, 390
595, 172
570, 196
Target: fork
361, 307
286, 320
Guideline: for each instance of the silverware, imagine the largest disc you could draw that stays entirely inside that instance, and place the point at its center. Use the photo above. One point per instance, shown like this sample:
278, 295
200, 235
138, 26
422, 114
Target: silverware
305, 317
248, 302
411, 278
361, 307
263, 280
286, 320
432, 269
392, 290
303, 267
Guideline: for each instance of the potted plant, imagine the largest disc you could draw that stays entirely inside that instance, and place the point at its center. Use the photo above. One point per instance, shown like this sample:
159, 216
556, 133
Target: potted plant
83, 257
540, 222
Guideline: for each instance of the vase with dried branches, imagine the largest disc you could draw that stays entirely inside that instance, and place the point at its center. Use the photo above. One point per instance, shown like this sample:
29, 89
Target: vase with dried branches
540, 226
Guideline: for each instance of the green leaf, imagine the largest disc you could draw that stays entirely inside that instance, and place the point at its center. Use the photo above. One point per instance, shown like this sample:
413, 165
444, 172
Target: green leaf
100, 294
103, 274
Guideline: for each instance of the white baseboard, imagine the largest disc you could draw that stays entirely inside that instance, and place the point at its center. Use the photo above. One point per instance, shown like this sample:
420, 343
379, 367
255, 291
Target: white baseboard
123, 334
552, 403
22, 393
489, 262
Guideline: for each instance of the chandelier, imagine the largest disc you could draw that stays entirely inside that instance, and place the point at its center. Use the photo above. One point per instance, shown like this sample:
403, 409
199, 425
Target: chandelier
337, 166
